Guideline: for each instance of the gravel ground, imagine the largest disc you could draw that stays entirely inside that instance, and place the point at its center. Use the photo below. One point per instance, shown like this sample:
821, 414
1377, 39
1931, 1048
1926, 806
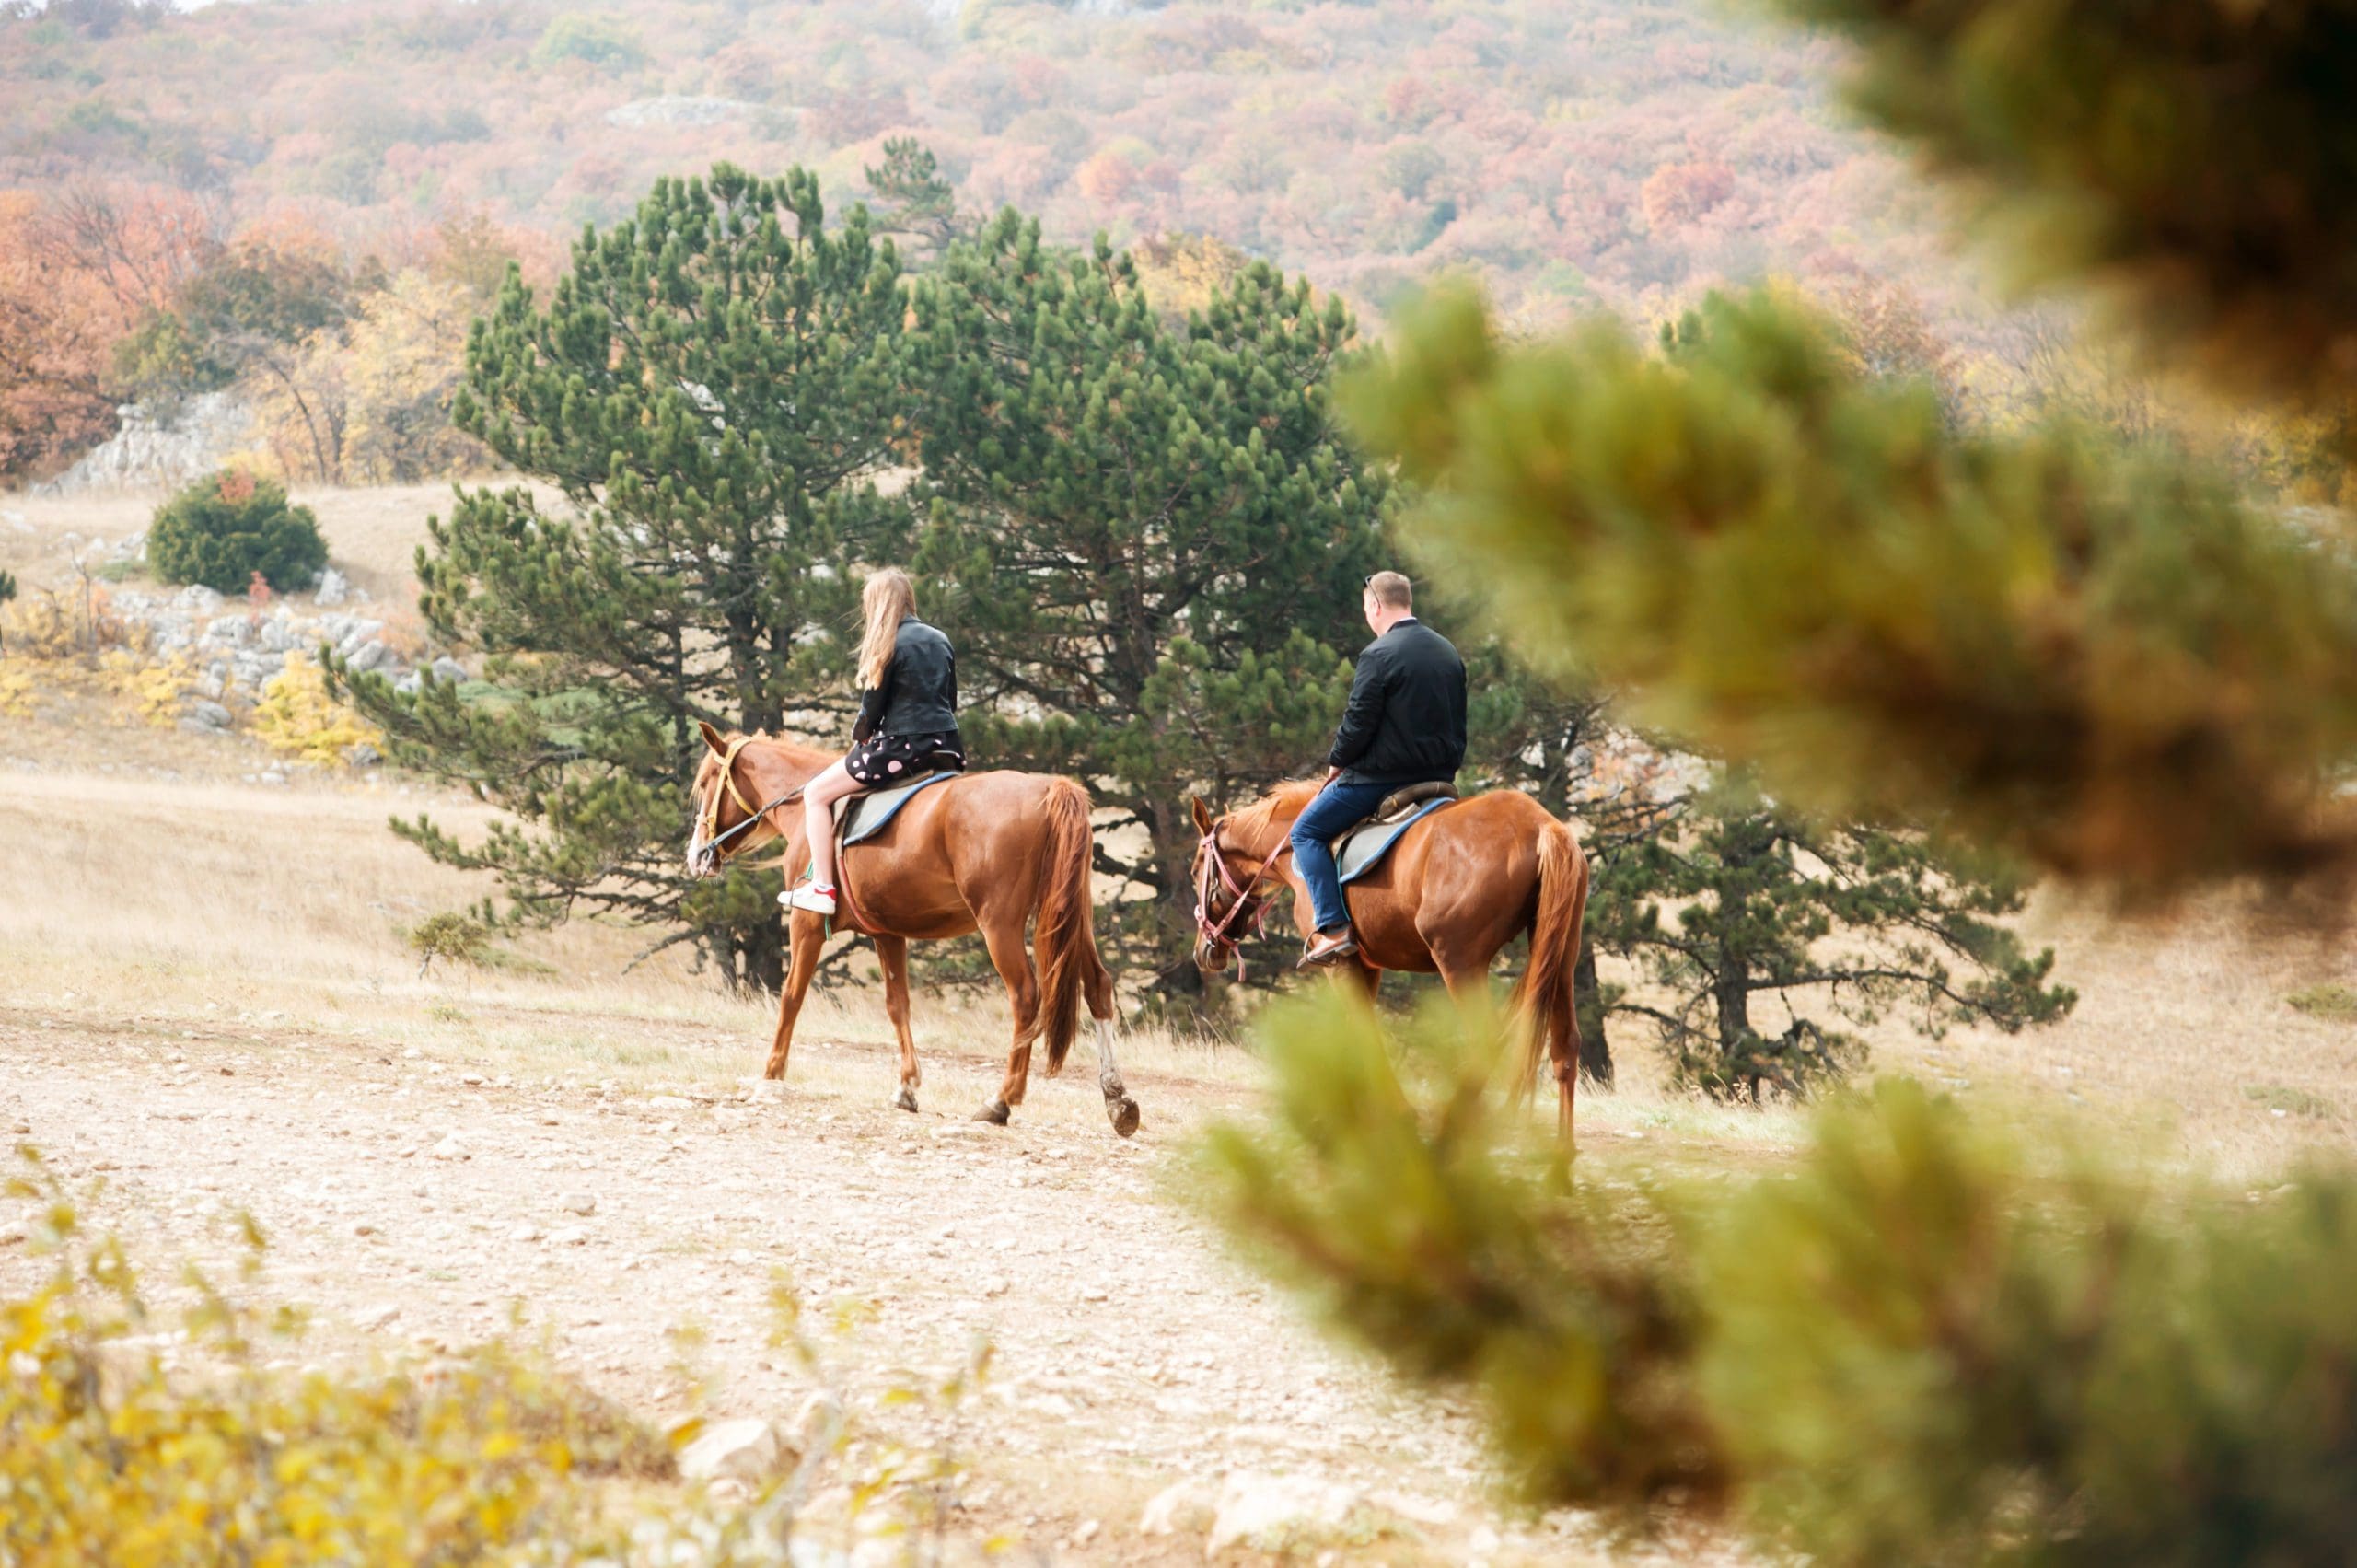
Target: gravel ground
417, 1204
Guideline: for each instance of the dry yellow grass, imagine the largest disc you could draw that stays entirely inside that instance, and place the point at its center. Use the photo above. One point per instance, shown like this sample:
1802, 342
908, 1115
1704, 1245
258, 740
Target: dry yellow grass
372, 534
203, 896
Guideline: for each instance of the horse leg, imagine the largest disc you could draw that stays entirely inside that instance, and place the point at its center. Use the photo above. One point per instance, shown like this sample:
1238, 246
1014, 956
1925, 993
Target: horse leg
1004, 941
893, 953
1367, 978
1119, 1106
807, 938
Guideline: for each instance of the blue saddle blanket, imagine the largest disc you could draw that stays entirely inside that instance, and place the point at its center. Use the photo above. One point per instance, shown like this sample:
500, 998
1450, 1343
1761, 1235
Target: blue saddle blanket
869, 812
1362, 849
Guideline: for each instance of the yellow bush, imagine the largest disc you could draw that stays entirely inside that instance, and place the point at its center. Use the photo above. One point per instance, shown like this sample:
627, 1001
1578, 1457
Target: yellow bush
15, 690
155, 689
297, 716
106, 1456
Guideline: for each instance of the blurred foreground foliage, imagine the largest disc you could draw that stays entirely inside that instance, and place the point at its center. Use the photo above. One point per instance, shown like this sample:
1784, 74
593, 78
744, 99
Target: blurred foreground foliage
2041, 641
106, 1456
2193, 162
136, 1437
1923, 1344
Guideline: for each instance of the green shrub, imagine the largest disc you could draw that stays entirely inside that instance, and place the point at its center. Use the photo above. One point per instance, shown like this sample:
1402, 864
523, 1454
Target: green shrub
1922, 1345
2292, 1101
2330, 1000
596, 40
220, 531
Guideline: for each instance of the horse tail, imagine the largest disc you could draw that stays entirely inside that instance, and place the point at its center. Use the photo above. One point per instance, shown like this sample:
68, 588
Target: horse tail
1065, 940
1549, 1016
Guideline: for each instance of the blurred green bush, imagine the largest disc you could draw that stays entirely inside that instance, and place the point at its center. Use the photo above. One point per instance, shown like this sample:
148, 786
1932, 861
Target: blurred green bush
1922, 1344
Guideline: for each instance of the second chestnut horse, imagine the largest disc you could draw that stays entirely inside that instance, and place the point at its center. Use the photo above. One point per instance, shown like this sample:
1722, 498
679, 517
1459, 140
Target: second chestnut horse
1460, 883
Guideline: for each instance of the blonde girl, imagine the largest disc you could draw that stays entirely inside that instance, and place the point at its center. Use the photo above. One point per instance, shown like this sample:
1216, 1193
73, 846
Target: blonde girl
908, 722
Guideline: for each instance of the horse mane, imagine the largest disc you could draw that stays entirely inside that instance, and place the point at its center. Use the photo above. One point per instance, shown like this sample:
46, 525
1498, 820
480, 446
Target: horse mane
1258, 820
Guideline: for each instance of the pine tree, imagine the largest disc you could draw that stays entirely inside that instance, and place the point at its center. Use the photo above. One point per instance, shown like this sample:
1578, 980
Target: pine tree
1149, 544
1741, 902
913, 197
711, 389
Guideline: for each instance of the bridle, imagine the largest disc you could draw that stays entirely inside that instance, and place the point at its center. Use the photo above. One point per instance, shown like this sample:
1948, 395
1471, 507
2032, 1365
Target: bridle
1226, 935
708, 837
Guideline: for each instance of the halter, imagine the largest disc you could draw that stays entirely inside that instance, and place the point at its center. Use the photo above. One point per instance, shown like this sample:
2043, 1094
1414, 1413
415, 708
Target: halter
1224, 933
708, 818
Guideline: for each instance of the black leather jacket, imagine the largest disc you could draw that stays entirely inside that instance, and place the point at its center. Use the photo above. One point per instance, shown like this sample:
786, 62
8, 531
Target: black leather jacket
919, 694
1405, 721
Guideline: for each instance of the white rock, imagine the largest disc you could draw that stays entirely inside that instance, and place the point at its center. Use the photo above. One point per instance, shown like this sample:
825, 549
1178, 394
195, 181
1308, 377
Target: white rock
578, 1202
378, 1317
746, 1450
332, 587
525, 1233
1252, 1506
671, 1102
766, 1088
571, 1235
1187, 1505
449, 1149
818, 1422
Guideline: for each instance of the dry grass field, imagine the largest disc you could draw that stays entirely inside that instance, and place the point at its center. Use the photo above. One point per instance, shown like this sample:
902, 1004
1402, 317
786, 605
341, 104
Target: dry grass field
205, 995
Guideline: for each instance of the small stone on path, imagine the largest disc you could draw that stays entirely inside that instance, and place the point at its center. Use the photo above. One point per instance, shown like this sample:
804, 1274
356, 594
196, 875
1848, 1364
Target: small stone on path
746, 1449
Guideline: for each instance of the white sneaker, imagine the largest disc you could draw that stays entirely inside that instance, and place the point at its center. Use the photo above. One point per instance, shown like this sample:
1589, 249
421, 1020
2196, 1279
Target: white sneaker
808, 897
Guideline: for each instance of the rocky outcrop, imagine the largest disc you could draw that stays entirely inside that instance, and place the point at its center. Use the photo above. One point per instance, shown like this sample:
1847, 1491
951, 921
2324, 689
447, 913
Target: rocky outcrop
240, 651
148, 452
680, 109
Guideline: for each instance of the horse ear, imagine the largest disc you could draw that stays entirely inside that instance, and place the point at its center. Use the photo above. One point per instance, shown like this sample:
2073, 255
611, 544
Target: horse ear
1202, 813
712, 737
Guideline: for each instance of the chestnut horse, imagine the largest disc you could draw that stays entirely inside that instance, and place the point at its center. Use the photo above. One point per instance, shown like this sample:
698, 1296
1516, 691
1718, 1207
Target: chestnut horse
1459, 884
984, 852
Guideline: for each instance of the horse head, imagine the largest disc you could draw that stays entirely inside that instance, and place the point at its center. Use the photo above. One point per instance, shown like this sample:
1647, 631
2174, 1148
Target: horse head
725, 817
1230, 893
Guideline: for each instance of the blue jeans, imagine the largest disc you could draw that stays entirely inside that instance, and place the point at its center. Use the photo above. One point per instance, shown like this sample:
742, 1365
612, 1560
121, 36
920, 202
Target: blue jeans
1338, 805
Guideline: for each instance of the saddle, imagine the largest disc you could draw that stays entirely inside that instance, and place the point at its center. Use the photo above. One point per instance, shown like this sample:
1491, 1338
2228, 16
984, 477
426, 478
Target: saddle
1360, 847
861, 817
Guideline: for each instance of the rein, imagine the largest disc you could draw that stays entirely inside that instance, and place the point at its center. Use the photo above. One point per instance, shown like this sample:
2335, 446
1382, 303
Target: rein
1226, 932
709, 819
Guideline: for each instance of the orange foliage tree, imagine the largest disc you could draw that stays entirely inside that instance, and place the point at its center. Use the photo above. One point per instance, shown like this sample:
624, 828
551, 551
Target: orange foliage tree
78, 267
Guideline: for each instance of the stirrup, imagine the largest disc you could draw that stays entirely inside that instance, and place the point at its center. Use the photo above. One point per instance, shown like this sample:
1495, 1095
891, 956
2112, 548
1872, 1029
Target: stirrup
1315, 957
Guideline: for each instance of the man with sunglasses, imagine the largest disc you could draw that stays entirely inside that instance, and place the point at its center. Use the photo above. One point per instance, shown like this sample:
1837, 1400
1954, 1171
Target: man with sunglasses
1405, 725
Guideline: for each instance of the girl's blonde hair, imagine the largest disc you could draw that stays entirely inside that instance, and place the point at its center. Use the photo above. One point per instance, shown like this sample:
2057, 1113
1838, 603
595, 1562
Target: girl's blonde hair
886, 599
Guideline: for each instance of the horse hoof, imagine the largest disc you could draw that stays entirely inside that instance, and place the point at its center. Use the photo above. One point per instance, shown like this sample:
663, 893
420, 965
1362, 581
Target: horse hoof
995, 1113
1124, 1112
906, 1100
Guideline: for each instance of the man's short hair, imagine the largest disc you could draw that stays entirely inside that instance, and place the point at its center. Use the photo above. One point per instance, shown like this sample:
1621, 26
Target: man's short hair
1391, 588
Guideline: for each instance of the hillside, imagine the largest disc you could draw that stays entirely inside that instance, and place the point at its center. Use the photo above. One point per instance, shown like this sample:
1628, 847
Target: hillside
1627, 151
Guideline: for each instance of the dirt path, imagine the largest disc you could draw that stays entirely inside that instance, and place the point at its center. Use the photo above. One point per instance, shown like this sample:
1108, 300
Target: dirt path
414, 1205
